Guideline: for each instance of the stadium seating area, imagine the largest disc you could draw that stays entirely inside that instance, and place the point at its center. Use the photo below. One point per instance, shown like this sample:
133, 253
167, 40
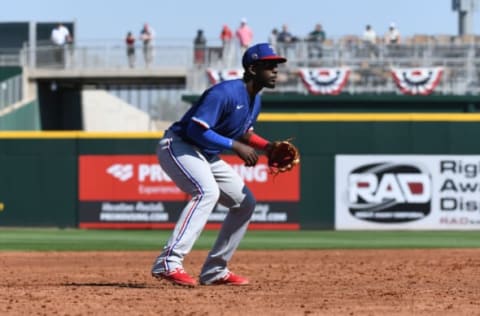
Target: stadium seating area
370, 67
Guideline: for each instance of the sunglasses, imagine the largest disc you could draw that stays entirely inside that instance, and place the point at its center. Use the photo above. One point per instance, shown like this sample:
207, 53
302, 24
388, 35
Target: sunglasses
267, 64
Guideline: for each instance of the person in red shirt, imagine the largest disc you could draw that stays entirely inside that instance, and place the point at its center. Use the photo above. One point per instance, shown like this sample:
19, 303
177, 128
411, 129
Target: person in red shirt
130, 42
226, 36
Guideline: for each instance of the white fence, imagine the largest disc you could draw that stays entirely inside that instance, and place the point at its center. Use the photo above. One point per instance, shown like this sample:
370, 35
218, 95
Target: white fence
10, 91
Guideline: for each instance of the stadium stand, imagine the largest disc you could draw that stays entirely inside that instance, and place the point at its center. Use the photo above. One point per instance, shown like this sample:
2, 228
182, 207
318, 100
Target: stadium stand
103, 64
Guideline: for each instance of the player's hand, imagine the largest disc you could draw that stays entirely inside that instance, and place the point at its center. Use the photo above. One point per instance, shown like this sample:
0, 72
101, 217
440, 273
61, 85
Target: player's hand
247, 153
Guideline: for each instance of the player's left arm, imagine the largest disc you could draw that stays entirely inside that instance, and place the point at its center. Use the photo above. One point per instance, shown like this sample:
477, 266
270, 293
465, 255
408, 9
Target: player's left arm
208, 137
256, 141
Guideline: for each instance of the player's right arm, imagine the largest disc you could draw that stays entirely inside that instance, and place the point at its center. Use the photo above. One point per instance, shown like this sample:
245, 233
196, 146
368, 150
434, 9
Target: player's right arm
247, 153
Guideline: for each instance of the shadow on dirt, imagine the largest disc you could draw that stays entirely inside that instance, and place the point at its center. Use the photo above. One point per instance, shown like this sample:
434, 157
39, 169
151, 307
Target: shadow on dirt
110, 284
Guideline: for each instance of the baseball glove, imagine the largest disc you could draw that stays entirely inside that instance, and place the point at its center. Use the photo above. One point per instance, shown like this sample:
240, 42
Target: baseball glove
282, 156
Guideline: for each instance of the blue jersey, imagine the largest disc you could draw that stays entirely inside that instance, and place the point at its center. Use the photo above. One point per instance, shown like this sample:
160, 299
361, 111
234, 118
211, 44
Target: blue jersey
226, 108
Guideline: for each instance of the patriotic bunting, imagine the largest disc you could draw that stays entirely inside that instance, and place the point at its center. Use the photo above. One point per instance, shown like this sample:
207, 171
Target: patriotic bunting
417, 81
216, 76
324, 80
331, 81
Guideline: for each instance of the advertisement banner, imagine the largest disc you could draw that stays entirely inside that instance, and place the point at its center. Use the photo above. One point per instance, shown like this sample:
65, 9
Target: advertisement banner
133, 191
424, 192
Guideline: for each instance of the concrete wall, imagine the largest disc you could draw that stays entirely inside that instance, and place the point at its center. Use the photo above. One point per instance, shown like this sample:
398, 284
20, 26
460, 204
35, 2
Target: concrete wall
105, 112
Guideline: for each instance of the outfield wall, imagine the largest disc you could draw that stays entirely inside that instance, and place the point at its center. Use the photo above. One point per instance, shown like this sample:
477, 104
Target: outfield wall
322, 136
40, 171
38, 186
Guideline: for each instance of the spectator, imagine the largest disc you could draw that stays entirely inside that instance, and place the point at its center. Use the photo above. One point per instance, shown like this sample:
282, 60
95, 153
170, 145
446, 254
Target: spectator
147, 35
315, 41
369, 35
199, 48
272, 38
244, 35
285, 41
130, 42
370, 40
393, 35
226, 36
60, 37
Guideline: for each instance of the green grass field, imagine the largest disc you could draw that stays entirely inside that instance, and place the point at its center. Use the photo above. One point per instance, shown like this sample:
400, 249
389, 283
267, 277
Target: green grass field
51, 239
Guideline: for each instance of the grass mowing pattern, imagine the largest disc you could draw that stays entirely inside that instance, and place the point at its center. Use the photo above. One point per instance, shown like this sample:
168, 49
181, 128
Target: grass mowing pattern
52, 239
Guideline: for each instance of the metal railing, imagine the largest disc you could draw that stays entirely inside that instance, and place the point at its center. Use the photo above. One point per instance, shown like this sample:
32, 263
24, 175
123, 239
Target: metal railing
10, 91
370, 65
104, 56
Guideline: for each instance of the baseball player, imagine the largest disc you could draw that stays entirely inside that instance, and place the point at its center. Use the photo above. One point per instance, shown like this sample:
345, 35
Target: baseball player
222, 119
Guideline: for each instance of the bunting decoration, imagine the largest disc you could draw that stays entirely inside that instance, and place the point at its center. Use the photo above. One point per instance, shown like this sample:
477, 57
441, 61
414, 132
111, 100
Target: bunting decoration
324, 80
417, 81
216, 76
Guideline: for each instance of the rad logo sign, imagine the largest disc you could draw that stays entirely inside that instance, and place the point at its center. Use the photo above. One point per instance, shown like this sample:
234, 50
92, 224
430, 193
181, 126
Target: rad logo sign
389, 192
408, 192
434, 192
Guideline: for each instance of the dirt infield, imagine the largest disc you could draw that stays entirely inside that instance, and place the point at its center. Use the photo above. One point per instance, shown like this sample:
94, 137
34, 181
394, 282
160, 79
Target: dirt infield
321, 282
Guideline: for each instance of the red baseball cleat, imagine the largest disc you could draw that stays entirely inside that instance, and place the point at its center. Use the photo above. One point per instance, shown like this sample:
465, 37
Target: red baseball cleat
177, 276
231, 279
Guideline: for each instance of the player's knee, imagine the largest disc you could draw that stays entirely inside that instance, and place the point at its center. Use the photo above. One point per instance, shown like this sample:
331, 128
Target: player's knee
211, 194
248, 202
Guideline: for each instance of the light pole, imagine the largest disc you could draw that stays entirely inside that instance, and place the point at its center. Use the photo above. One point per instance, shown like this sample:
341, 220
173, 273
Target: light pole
465, 10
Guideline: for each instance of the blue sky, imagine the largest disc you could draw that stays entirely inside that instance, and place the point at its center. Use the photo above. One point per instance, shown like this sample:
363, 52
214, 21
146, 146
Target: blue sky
179, 19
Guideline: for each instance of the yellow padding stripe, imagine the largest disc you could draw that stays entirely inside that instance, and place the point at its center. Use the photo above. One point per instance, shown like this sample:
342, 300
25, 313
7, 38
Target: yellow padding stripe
266, 117
365, 117
79, 134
